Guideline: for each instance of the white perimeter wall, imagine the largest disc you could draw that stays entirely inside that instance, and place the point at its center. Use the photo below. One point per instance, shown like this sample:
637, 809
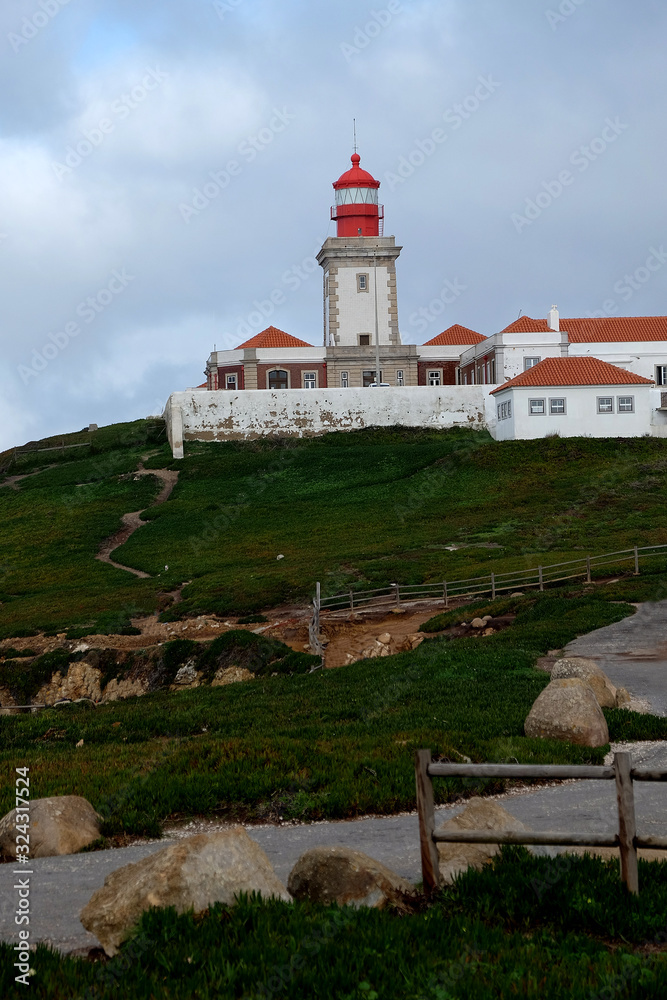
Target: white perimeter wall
199, 415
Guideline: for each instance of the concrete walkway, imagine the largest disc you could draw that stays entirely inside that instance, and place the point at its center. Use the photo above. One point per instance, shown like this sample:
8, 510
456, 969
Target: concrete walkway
633, 652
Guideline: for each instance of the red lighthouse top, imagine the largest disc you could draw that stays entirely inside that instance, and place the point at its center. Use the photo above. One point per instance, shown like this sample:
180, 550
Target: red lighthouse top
356, 210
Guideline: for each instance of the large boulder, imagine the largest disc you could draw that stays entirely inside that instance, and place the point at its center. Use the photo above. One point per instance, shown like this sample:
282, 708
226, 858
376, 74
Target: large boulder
589, 671
479, 814
568, 710
347, 877
193, 874
59, 825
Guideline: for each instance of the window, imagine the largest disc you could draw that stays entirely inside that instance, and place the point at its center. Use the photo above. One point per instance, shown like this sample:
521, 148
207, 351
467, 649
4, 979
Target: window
605, 404
362, 282
434, 377
399, 377
505, 410
278, 379
310, 380
326, 287
344, 380
369, 377
556, 406
530, 363
364, 340
626, 404
231, 381
661, 374
536, 407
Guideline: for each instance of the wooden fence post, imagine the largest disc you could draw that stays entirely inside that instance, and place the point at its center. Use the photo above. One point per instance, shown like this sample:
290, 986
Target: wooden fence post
636, 561
493, 586
588, 569
540, 577
426, 811
317, 607
627, 828
351, 601
444, 593
398, 594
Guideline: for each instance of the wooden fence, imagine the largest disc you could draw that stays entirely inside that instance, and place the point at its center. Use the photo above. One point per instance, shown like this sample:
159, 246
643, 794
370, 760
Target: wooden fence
621, 772
491, 585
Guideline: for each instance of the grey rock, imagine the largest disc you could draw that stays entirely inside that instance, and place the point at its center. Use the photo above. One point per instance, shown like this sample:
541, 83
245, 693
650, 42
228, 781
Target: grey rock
193, 874
568, 710
59, 825
589, 671
479, 814
341, 875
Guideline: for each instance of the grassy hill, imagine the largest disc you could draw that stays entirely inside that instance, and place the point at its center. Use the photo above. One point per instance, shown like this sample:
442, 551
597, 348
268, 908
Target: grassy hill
352, 510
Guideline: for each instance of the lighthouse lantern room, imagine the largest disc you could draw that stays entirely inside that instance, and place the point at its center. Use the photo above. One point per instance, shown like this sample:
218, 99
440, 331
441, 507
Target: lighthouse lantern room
357, 212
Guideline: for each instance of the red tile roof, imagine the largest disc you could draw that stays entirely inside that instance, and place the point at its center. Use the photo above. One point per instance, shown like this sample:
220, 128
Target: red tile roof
599, 329
456, 334
615, 328
527, 325
574, 371
273, 337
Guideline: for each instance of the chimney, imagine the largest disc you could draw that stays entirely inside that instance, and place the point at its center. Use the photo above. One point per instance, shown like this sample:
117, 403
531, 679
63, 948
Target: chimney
552, 318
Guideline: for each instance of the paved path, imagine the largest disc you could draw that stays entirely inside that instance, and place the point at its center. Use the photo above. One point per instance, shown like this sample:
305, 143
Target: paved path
633, 653
62, 886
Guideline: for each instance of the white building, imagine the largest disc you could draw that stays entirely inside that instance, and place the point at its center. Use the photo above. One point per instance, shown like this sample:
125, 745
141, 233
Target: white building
638, 343
576, 397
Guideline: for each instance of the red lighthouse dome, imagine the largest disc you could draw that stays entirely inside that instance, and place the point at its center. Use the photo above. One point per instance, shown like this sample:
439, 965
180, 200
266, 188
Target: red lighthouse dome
356, 210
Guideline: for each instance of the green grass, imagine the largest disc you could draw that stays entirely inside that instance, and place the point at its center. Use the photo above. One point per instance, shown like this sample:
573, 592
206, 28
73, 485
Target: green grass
351, 510
333, 744
527, 927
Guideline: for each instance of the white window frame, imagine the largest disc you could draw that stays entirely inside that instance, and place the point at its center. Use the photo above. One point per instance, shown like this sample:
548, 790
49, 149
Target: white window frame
400, 379
344, 380
505, 410
557, 413
624, 409
537, 412
362, 282
529, 363
661, 374
232, 380
432, 374
309, 377
606, 410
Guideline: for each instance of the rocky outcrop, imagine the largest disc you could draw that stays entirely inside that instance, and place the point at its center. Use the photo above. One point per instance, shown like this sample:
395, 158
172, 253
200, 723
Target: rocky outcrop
118, 690
347, 877
589, 671
231, 675
59, 825
479, 814
187, 676
81, 681
193, 874
568, 710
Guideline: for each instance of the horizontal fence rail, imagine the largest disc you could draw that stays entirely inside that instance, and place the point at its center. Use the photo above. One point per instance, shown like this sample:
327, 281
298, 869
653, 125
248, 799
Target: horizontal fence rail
622, 772
491, 585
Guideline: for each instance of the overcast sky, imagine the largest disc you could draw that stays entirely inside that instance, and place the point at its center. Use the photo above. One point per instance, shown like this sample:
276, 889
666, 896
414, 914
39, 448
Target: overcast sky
166, 166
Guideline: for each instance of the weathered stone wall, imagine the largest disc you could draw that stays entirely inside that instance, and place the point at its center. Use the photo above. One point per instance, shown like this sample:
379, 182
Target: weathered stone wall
226, 415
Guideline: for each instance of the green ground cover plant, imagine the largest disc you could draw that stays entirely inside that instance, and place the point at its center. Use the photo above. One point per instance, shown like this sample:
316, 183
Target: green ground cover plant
384, 505
490, 935
332, 744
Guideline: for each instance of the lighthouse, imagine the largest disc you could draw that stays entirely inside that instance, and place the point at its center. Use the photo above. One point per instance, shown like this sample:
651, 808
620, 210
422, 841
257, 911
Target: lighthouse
359, 265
